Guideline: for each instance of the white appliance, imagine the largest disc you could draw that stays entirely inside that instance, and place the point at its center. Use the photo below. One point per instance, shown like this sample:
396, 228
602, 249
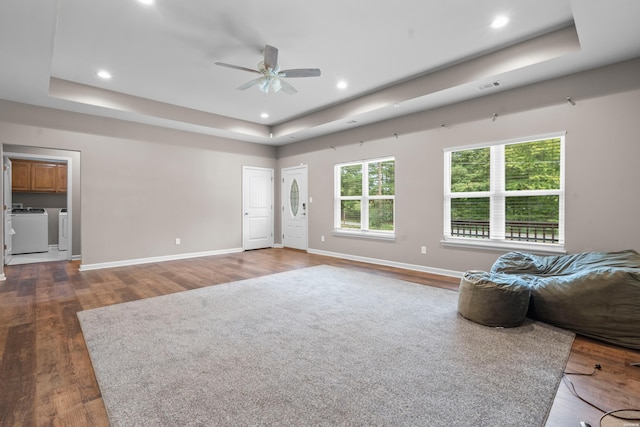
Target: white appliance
31, 227
63, 230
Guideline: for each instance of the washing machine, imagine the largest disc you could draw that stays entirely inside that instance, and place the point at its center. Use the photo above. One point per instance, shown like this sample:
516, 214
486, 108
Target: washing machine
31, 230
63, 230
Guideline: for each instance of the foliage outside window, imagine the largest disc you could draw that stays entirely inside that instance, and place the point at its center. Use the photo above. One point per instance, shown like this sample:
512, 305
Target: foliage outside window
365, 196
506, 192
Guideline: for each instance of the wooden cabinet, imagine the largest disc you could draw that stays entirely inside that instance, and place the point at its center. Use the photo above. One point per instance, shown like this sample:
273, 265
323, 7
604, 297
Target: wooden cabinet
20, 175
38, 177
43, 177
61, 178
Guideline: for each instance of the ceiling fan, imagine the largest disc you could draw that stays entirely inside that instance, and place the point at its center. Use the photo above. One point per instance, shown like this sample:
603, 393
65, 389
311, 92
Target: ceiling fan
271, 75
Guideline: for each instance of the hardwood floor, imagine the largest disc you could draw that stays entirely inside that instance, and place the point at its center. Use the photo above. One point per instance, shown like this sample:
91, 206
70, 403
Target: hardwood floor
46, 377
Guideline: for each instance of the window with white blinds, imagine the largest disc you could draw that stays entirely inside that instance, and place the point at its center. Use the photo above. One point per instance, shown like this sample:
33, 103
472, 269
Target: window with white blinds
506, 192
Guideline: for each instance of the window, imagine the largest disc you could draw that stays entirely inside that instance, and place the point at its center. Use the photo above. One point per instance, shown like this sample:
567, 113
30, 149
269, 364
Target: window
364, 198
506, 194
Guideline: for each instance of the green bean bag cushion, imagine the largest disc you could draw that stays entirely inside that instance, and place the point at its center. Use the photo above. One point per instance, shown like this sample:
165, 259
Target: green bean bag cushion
596, 294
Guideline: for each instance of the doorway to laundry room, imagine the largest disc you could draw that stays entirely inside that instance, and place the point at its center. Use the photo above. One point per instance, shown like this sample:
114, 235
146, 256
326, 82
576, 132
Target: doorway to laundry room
38, 205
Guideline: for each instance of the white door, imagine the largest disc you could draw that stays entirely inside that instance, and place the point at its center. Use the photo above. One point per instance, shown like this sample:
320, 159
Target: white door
294, 207
257, 205
8, 228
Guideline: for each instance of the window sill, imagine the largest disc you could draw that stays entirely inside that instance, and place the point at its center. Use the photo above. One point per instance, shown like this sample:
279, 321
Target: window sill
492, 245
389, 237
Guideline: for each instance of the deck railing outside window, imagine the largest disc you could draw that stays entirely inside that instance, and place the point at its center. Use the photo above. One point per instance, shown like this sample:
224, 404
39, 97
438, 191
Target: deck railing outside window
520, 231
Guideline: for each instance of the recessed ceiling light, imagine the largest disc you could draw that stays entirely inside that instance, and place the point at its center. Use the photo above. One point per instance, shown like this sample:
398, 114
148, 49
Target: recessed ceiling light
264, 115
342, 84
147, 2
500, 21
104, 74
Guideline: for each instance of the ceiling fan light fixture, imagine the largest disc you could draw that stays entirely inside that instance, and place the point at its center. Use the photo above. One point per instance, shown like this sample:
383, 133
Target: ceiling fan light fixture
263, 85
275, 84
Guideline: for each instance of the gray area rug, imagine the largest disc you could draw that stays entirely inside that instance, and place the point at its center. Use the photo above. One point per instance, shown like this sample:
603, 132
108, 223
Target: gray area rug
319, 346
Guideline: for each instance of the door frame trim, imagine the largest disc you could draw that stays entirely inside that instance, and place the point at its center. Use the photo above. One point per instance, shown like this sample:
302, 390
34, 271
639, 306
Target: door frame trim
69, 160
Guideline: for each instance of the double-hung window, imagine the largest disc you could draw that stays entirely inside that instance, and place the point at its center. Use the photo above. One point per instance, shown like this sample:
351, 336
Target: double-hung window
365, 198
506, 194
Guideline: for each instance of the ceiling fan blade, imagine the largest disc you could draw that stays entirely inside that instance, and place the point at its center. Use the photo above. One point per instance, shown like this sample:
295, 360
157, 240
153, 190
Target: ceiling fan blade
270, 57
253, 82
237, 67
300, 72
287, 88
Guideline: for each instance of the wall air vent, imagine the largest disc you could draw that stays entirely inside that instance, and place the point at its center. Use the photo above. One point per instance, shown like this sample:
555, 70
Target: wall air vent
491, 85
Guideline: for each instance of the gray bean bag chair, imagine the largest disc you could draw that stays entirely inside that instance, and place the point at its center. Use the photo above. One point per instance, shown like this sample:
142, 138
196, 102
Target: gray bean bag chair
596, 294
497, 300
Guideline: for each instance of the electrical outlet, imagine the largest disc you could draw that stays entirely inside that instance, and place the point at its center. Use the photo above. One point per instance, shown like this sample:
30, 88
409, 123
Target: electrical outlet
423, 250
322, 238
177, 241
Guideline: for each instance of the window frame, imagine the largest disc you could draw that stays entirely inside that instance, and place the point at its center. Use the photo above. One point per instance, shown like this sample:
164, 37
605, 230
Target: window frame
498, 195
364, 199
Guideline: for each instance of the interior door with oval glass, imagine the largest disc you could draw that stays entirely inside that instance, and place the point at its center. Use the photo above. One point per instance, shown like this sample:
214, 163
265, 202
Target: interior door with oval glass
294, 207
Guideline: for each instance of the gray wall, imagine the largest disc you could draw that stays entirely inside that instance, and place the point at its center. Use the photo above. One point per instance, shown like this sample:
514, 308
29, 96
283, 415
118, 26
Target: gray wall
602, 173
142, 186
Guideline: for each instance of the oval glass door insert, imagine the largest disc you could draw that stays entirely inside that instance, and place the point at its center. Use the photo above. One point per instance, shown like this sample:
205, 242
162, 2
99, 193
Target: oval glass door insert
294, 197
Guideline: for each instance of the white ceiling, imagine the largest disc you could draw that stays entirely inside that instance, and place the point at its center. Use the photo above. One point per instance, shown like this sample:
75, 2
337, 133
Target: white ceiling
397, 57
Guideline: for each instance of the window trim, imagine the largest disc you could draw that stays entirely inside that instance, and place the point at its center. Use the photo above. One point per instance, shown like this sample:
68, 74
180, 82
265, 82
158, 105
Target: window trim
498, 191
363, 232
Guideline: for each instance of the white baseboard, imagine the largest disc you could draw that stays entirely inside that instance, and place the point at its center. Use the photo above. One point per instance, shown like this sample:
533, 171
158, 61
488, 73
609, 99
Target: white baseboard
137, 261
414, 267
406, 266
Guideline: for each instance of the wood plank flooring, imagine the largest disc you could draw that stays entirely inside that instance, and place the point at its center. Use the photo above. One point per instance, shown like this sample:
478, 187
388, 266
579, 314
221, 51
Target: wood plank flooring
46, 377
